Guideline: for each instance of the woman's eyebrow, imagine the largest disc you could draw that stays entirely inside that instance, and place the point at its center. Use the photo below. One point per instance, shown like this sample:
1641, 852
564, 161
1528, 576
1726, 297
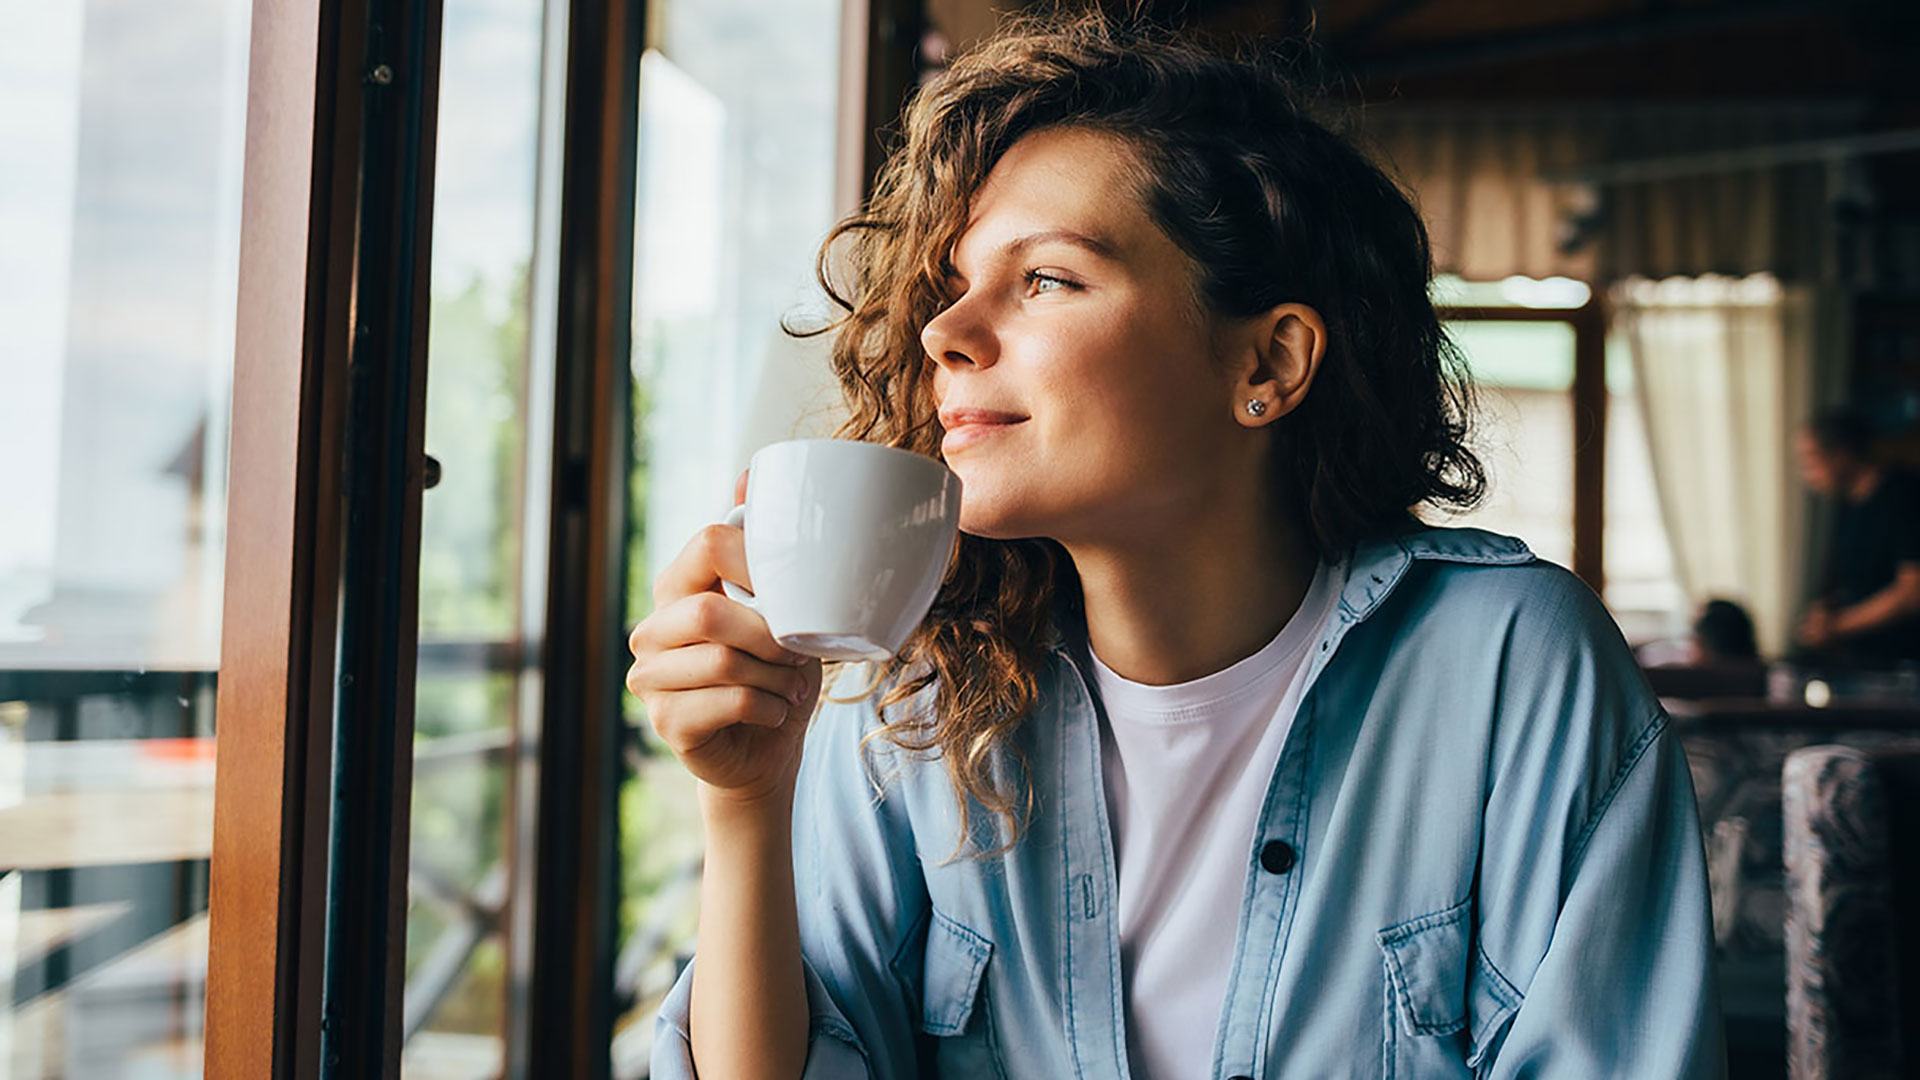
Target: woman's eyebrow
1094, 245
1103, 248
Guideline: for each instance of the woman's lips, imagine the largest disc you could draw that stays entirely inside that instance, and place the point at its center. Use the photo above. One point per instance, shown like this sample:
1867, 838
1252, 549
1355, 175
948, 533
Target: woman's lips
970, 431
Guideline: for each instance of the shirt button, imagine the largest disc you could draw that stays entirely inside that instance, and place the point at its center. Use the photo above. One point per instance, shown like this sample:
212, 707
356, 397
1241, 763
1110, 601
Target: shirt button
1277, 857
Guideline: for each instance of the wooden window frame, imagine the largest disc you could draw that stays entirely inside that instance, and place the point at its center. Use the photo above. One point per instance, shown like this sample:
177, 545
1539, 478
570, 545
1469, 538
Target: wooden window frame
308, 884
1589, 401
303, 226
583, 655
267, 894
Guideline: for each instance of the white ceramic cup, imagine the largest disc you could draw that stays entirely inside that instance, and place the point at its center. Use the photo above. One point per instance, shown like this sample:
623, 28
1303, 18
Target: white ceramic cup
847, 543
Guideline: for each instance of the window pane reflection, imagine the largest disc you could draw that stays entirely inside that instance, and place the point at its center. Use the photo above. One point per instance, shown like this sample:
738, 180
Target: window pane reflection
736, 191
121, 144
474, 688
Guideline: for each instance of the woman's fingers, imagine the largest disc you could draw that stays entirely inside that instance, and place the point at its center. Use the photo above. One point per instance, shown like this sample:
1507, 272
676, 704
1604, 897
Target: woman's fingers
708, 617
687, 719
715, 552
696, 667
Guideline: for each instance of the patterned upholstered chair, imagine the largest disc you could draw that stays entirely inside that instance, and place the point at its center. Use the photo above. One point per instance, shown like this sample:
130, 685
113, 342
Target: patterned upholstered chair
1852, 850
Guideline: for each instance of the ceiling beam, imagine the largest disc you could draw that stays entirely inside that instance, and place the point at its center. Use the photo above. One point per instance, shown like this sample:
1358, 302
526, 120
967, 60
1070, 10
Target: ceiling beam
1744, 158
1368, 26
1633, 29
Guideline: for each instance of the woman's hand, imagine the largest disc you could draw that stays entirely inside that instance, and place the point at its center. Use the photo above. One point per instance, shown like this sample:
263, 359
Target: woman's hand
725, 697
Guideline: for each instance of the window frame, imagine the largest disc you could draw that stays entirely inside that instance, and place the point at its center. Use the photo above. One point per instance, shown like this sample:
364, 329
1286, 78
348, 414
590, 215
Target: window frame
267, 893
313, 127
1589, 401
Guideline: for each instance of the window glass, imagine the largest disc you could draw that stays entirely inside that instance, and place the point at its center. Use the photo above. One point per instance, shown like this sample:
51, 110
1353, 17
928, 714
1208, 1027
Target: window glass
121, 144
482, 537
1524, 435
738, 104
1524, 431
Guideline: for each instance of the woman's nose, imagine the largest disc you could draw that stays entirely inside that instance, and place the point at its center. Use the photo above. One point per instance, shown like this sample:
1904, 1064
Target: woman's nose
956, 337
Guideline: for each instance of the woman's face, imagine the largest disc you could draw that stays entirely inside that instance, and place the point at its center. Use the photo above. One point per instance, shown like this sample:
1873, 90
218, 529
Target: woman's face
1074, 324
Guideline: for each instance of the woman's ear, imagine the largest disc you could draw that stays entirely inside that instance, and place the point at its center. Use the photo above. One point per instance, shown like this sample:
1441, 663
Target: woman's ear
1289, 343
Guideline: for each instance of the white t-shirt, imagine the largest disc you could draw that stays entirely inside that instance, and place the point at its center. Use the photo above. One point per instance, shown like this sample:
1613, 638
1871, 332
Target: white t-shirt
1186, 769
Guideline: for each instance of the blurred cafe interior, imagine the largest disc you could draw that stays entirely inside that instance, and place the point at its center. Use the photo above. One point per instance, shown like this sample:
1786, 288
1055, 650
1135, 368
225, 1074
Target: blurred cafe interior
336, 650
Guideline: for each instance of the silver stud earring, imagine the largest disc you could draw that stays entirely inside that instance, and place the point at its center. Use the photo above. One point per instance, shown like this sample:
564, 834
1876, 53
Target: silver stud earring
1257, 407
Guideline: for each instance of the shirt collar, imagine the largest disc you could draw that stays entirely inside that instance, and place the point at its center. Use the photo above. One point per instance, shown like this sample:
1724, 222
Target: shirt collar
1380, 563
1377, 566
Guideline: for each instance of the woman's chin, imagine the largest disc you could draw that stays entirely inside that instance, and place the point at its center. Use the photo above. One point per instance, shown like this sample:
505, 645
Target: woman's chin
989, 526
1006, 532
983, 532
994, 510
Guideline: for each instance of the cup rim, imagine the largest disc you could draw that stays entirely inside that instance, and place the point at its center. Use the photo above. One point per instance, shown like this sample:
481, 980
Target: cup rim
914, 455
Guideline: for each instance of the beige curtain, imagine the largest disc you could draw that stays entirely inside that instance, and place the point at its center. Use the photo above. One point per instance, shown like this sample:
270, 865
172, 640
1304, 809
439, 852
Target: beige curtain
1723, 352
1478, 179
1493, 184
1725, 372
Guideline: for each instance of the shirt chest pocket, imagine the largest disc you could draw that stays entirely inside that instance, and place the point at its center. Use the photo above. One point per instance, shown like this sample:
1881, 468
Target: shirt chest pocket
953, 1005
1447, 1007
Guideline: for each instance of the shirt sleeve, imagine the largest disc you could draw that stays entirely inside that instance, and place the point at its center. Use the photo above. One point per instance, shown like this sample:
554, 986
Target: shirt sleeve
1593, 918
862, 906
1627, 985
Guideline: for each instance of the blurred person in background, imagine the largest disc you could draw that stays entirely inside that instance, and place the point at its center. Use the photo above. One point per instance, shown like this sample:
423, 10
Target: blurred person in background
1723, 634
1867, 610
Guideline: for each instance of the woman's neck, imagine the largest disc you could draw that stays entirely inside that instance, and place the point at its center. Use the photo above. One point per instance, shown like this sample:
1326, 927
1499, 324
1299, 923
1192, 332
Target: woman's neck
1194, 599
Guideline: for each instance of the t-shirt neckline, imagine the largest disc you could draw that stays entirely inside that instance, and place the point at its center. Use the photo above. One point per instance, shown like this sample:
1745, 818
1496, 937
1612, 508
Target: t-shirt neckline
1201, 697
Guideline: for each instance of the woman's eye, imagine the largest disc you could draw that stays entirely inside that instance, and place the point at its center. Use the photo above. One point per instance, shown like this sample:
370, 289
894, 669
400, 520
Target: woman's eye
1042, 282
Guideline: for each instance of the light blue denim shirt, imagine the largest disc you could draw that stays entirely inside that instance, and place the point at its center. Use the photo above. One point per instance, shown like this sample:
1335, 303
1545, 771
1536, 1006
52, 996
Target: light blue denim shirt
1479, 856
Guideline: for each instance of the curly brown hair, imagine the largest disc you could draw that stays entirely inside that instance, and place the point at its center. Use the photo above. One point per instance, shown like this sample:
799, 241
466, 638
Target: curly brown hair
1270, 205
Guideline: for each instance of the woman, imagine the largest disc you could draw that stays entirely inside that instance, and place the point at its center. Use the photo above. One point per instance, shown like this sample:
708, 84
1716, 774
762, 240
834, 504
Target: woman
1210, 760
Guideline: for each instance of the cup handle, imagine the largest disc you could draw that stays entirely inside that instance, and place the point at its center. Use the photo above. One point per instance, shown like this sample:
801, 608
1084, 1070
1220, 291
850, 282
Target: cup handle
736, 518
